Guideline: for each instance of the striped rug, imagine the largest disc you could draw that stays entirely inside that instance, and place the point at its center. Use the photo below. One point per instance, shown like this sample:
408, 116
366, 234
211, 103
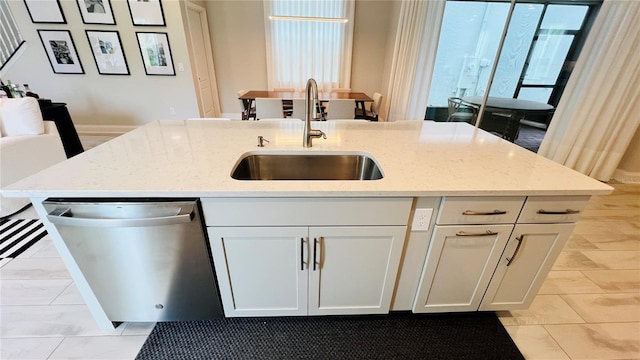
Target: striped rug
17, 235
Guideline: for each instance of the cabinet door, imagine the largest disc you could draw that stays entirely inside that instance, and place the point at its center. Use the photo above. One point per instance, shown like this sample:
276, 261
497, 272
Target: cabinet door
459, 265
527, 259
261, 271
355, 268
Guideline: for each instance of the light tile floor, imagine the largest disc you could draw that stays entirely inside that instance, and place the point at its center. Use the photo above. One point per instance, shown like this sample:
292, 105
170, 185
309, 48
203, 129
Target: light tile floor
588, 308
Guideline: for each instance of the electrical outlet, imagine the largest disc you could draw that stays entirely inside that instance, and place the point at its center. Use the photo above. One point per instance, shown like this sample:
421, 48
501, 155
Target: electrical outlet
421, 219
172, 110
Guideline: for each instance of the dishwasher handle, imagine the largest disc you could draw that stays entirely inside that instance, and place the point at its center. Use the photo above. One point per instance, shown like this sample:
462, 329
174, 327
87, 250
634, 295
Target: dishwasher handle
64, 216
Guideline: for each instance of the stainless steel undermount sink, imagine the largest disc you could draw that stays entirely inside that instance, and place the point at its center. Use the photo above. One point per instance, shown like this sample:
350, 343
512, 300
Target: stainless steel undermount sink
306, 166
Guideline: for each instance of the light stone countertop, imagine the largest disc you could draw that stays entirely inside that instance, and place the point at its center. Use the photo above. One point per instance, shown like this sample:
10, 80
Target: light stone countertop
195, 159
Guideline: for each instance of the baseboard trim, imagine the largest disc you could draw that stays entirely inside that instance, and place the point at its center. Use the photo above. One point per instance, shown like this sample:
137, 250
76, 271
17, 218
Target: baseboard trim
626, 177
104, 129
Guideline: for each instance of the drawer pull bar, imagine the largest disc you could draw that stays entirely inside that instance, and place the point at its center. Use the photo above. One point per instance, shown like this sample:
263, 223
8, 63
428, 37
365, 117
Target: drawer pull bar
315, 251
487, 233
513, 257
301, 254
485, 213
566, 212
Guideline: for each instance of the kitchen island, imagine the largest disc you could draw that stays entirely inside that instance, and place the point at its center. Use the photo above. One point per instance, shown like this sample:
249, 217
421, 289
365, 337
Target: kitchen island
512, 208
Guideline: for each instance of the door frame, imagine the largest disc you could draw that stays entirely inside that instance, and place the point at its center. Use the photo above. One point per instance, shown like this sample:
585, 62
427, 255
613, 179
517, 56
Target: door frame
208, 53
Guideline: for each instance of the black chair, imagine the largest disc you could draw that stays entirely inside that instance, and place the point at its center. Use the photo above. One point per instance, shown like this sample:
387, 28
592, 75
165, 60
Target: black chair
501, 123
251, 113
374, 109
462, 111
538, 119
287, 104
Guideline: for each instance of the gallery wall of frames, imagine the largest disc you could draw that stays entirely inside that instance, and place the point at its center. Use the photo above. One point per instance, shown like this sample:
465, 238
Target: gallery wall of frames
105, 44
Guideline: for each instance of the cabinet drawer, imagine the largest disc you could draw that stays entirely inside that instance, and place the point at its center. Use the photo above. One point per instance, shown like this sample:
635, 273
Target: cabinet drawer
480, 210
306, 211
552, 209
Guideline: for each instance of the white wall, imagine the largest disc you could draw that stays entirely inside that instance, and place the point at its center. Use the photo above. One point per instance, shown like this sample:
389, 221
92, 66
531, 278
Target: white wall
239, 54
373, 23
95, 99
237, 34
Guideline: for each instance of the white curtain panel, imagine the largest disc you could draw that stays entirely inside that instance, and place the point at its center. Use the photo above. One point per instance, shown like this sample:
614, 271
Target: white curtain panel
419, 95
600, 109
301, 49
413, 58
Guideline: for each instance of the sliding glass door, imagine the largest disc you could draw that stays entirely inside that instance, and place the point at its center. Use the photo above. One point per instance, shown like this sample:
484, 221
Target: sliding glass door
540, 48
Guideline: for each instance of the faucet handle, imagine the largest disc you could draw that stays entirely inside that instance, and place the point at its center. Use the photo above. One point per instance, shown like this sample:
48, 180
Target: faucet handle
317, 133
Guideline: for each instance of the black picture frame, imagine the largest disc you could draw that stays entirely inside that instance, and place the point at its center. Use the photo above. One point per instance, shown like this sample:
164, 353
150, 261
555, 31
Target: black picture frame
146, 12
45, 11
155, 51
96, 12
61, 51
107, 51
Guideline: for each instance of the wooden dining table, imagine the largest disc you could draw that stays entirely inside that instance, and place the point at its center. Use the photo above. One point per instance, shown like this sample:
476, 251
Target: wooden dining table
249, 97
516, 108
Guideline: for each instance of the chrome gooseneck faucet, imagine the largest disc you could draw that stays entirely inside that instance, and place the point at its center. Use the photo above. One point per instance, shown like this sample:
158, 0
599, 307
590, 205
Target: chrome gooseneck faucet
311, 104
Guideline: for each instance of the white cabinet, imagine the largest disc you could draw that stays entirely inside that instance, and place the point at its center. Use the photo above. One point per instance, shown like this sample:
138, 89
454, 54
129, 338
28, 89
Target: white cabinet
459, 265
479, 210
552, 209
461, 258
544, 226
259, 269
306, 256
467, 273
527, 259
278, 271
354, 269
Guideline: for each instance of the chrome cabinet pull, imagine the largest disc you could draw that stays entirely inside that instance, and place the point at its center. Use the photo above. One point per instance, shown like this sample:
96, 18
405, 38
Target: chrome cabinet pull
565, 212
513, 257
301, 254
315, 251
485, 213
486, 233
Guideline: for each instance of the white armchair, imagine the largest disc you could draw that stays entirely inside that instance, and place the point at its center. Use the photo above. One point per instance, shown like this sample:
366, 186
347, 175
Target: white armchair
27, 146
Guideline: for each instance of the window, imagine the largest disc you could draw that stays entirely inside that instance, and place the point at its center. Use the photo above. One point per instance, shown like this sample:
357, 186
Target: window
309, 39
542, 77
543, 42
10, 38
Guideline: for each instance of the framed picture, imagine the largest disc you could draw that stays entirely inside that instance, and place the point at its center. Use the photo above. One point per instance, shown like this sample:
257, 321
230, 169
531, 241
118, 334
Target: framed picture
107, 52
45, 11
156, 53
96, 12
146, 12
61, 51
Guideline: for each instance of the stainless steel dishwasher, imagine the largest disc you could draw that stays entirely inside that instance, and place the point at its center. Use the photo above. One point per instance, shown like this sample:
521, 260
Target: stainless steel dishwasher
144, 260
